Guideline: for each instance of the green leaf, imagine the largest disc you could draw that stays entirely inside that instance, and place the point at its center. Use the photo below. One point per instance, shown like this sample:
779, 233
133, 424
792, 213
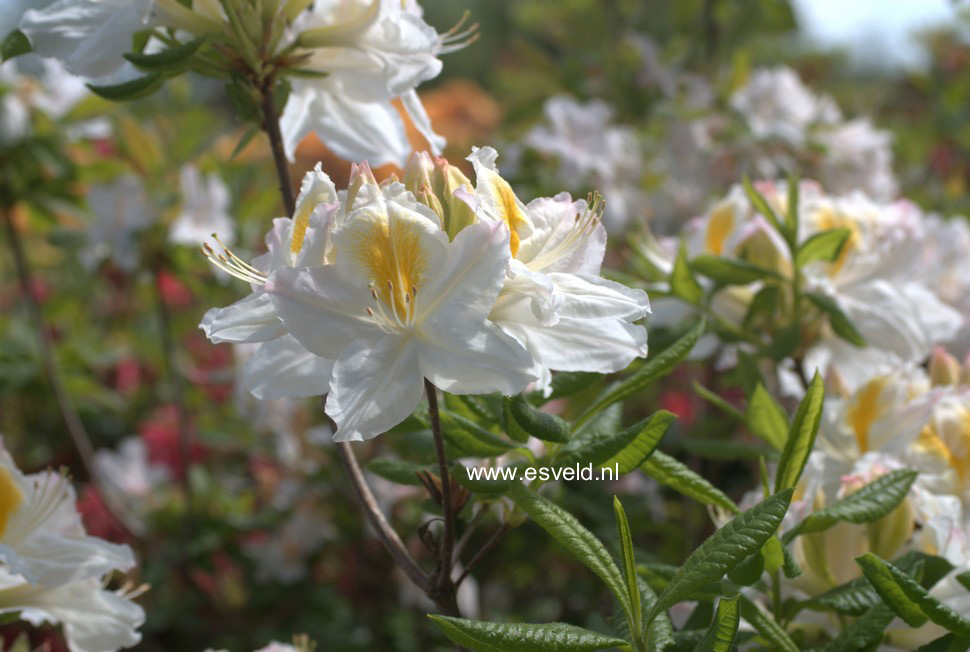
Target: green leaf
398, 471
774, 555
567, 383
571, 534
765, 625
864, 632
14, 44
522, 637
649, 432
946, 643
762, 206
837, 319
541, 425
654, 369
720, 637
718, 401
244, 140
801, 436
470, 438
868, 504
907, 594
682, 281
660, 633
791, 212
767, 419
743, 535
765, 302
882, 580
825, 246
166, 59
750, 570
130, 90
629, 567
725, 271
668, 471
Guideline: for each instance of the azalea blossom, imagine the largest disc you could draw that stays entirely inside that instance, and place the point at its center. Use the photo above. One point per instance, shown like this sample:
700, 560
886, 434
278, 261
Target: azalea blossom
591, 150
119, 210
554, 301
51, 570
130, 477
205, 205
279, 366
401, 303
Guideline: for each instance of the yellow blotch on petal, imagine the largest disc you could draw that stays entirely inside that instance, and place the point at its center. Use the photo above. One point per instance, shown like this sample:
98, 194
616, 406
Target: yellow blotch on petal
864, 409
719, 227
392, 254
10, 498
511, 213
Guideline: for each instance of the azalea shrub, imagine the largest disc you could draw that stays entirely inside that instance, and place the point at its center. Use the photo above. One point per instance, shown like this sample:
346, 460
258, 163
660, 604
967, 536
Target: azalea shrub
514, 327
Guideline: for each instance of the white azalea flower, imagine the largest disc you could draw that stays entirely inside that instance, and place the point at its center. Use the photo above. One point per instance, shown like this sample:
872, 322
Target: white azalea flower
51, 570
857, 157
89, 36
205, 204
776, 104
94, 619
131, 478
120, 209
283, 556
593, 151
372, 52
279, 366
399, 304
554, 301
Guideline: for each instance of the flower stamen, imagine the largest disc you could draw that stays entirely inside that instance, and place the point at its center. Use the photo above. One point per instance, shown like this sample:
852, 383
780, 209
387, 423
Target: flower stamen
232, 264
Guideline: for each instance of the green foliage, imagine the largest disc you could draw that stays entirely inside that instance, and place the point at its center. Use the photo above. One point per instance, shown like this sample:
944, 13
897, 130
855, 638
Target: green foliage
839, 322
801, 436
766, 419
130, 90
825, 246
540, 425
495, 637
724, 630
724, 550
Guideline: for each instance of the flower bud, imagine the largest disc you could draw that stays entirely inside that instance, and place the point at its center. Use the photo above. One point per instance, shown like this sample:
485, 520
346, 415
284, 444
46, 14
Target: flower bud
944, 368
434, 182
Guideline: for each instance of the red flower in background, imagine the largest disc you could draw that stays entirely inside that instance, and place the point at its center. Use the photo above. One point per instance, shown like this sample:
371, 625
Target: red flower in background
160, 432
98, 519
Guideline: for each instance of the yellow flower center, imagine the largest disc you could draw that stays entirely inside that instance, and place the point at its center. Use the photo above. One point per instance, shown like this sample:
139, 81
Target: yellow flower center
864, 409
719, 228
511, 213
392, 254
10, 498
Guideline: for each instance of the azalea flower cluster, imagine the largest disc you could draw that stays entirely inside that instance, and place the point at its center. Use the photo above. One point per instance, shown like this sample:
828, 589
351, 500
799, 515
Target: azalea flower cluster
884, 279
364, 295
591, 150
51, 571
775, 124
353, 57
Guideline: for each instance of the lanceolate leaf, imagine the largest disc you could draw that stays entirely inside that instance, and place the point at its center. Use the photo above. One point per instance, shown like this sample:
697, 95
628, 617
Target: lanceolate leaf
907, 598
570, 533
720, 637
649, 434
824, 246
766, 419
540, 425
868, 504
864, 632
882, 580
130, 90
762, 206
841, 324
668, 471
166, 59
14, 44
655, 369
682, 281
521, 637
801, 437
629, 566
765, 625
660, 633
470, 438
725, 271
725, 549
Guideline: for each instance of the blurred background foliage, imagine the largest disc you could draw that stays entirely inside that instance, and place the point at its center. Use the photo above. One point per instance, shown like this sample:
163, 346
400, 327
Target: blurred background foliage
258, 466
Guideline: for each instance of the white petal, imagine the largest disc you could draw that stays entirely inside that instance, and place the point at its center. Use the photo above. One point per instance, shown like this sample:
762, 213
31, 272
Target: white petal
321, 309
283, 368
592, 297
251, 319
415, 109
376, 385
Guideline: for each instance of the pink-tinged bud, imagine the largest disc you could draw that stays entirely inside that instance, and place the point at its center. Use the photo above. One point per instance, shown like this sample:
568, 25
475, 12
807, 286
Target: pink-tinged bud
434, 182
944, 368
417, 172
360, 175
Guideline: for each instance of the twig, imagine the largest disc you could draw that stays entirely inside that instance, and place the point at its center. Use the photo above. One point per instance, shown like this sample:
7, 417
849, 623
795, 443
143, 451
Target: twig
484, 550
448, 538
392, 542
271, 125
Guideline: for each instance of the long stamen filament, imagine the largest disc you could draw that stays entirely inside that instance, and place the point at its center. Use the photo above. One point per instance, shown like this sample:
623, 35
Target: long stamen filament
584, 224
232, 264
